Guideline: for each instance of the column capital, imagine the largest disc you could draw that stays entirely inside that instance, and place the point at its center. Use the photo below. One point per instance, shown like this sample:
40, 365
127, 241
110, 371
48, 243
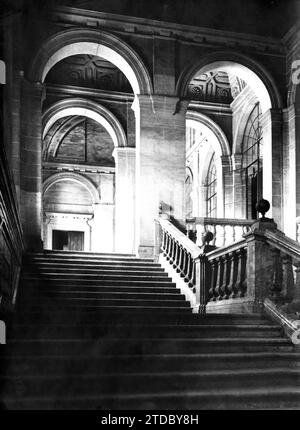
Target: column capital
124, 151
226, 160
236, 160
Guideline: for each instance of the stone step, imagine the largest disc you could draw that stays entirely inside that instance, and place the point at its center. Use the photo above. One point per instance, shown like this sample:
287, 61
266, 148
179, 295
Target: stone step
84, 253
40, 288
59, 364
134, 265
94, 268
82, 257
52, 331
70, 275
149, 383
227, 399
69, 279
106, 295
68, 300
73, 310
120, 346
113, 316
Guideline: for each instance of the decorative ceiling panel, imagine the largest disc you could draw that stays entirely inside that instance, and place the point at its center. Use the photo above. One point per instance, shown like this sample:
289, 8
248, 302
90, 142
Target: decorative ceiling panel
89, 71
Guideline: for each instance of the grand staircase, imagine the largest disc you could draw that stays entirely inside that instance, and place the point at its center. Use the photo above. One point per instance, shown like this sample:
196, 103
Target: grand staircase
95, 331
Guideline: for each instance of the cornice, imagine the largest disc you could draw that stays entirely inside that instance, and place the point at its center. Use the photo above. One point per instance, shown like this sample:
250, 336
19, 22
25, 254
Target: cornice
72, 90
67, 16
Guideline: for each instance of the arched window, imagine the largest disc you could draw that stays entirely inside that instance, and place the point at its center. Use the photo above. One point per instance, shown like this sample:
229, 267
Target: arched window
188, 194
211, 188
252, 161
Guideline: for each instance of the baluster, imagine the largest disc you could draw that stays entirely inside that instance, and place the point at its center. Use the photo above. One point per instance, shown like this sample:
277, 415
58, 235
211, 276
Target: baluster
184, 263
233, 273
188, 268
215, 235
171, 250
176, 266
193, 275
214, 269
168, 246
288, 284
175, 251
180, 260
218, 291
226, 273
233, 233
240, 286
275, 289
200, 229
163, 245
243, 282
201, 283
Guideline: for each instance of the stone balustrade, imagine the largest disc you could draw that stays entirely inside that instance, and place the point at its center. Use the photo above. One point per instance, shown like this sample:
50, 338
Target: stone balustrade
263, 267
225, 230
228, 274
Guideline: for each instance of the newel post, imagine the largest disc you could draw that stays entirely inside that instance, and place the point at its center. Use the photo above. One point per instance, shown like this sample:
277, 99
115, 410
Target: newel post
157, 240
158, 234
202, 274
260, 263
201, 283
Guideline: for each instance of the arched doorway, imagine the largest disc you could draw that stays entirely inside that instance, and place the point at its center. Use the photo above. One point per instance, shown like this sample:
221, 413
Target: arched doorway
225, 87
104, 51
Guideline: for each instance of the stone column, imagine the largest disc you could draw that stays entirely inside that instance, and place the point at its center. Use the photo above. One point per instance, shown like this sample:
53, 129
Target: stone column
160, 161
272, 162
238, 188
31, 168
227, 212
102, 234
291, 170
125, 200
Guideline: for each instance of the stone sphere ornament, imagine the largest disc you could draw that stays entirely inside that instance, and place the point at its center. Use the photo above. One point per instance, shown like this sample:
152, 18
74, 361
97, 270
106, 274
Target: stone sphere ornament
262, 206
208, 237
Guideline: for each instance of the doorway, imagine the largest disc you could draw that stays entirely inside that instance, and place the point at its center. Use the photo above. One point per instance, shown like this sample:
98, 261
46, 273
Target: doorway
67, 240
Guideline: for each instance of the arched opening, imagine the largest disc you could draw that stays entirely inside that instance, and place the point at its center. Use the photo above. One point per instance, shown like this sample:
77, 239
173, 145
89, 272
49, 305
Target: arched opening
81, 41
68, 203
252, 162
91, 65
205, 142
211, 188
238, 95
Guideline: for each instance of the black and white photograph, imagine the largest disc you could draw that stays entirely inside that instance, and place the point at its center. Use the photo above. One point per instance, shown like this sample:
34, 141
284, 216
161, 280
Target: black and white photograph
149, 208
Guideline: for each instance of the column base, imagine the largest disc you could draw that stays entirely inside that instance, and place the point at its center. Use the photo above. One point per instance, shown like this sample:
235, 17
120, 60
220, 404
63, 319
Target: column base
244, 305
146, 251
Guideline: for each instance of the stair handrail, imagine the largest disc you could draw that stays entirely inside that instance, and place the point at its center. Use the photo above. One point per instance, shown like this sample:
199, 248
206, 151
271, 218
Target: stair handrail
189, 245
186, 258
277, 239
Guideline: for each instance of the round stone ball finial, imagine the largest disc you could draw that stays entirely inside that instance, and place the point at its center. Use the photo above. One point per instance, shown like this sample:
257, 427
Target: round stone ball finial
208, 237
262, 206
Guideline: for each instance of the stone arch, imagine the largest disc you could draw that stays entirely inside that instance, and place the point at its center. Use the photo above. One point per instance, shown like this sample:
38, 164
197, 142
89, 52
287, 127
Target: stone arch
218, 144
75, 177
245, 67
215, 129
93, 42
89, 109
241, 124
